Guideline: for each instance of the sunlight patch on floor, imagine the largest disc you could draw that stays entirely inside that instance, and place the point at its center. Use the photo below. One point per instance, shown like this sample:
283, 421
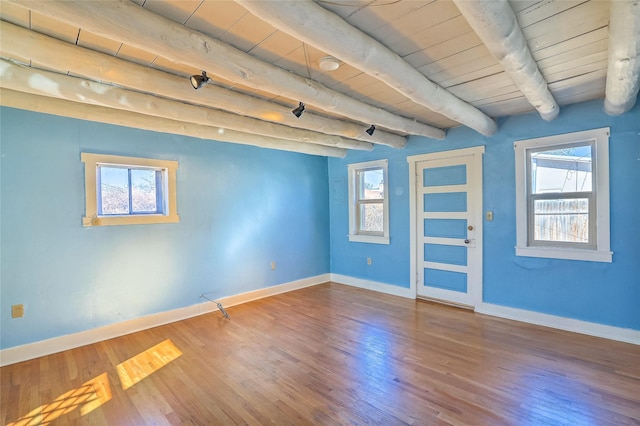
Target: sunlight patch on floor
146, 363
87, 397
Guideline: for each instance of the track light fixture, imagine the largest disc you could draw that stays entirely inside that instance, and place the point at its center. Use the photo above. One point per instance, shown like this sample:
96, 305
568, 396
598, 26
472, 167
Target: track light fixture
197, 81
298, 110
371, 129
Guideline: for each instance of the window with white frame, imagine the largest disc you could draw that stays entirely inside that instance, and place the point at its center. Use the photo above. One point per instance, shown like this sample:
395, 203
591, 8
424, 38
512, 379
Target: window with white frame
562, 196
368, 202
129, 190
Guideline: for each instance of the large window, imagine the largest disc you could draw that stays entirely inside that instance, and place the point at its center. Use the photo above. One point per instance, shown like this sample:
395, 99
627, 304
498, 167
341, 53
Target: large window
562, 185
127, 190
368, 202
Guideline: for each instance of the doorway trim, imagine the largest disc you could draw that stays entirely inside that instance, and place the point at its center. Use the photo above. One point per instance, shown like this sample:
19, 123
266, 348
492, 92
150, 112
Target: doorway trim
477, 153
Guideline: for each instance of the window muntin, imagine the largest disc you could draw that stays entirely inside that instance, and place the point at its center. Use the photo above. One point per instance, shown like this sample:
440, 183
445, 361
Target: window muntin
368, 206
128, 190
562, 196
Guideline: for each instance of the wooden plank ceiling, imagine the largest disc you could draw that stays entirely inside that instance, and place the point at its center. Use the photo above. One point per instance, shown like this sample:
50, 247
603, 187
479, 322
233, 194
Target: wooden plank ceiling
567, 38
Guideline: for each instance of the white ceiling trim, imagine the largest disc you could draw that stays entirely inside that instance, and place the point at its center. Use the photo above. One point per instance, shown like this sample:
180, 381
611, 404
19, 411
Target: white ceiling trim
497, 26
133, 25
64, 57
311, 23
623, 74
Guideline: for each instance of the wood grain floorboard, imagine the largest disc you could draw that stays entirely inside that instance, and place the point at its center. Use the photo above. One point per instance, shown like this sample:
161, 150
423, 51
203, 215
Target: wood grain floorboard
333, 355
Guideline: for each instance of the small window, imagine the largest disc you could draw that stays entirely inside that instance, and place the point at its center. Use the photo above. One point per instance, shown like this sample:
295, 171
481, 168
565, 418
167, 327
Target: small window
368, 202
563, 196
129, 191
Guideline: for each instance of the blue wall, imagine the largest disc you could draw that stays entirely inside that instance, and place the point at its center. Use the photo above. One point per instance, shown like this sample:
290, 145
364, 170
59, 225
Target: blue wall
597, 292
240, 208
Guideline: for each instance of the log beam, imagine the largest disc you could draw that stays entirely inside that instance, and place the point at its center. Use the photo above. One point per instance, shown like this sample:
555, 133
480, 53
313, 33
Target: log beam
311, 23
63, 57
497, 26
129, 23
59, 107
623, 73
46, 83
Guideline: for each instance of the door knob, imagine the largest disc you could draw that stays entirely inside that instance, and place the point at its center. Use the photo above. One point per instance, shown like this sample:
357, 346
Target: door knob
470, 228
466, 241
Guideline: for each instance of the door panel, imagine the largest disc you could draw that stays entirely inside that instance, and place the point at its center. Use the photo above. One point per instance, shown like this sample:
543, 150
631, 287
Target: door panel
447, 232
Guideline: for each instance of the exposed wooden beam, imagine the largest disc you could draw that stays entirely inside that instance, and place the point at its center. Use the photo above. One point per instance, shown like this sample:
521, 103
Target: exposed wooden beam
46, 83
46, 105
623, 73
129, 23
497, 26
311, 23
64, 57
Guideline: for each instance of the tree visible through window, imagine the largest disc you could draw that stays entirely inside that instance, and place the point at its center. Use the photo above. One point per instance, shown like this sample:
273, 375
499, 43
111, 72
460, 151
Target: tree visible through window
129, 190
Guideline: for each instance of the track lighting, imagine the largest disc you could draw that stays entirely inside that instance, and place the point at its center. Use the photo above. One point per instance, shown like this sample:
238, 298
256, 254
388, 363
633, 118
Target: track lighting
197, 81
371, 129
298, 110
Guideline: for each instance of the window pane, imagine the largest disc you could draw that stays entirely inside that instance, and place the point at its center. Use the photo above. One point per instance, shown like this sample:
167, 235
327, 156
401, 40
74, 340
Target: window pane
114, 190
143, 191
372, 217
370, 184
561, 170
562, 220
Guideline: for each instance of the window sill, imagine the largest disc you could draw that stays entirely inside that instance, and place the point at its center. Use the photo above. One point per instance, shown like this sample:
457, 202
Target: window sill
129, 220
369, 239
564, 253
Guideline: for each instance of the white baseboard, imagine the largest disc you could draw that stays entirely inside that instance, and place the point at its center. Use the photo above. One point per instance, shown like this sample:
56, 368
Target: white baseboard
620, 334
57, 344
373, 285
70, 341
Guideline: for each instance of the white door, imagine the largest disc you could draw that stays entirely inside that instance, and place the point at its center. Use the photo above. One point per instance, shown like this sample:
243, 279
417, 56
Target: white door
448, 203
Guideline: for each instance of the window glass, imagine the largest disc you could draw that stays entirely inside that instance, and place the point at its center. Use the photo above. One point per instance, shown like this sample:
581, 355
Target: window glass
372, 218
564, 220
129, 190
562, 196
561, 170
145, 193
368, 204
114, 190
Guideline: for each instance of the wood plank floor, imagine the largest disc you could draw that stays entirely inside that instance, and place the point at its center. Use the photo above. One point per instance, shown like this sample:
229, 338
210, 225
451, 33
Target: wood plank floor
332, 355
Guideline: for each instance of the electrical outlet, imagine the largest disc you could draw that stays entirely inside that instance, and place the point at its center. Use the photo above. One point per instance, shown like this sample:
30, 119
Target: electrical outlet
17, 311
368, 261
273, 266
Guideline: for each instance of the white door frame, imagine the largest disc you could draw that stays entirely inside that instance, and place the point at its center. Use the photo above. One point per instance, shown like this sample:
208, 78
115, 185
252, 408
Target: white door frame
474, 275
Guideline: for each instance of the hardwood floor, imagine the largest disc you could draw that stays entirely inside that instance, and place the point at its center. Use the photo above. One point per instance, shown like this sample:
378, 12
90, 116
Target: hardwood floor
332, 354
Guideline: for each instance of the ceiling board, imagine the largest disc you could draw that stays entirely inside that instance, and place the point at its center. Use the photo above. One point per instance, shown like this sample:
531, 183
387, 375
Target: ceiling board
100, 44
541, 11
585, 17
178, 11
15, 14
567, 38
214, 18
138, 56
54, 28
247, 32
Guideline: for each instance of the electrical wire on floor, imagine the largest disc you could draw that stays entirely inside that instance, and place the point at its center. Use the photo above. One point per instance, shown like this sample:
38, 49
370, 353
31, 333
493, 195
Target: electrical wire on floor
226, 315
